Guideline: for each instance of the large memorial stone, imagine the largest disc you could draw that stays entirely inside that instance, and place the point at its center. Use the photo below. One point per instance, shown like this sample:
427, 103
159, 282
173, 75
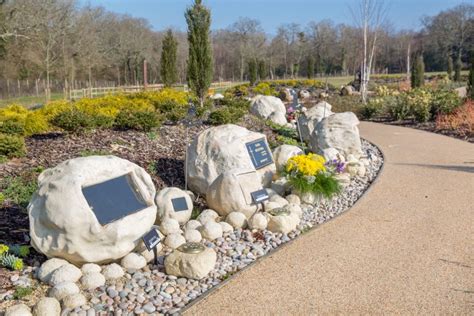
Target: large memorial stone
308, 121
223, 148
174, 203
338, 131
98, 226
269, 107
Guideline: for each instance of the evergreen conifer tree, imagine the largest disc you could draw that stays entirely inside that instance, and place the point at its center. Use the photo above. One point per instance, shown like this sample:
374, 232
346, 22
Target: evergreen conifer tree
168, 71
418, 72
252, 66
457, 68
310, 70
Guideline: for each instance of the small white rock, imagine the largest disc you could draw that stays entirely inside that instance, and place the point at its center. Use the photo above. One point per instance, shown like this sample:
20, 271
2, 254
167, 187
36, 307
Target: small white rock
192, 266
169, 226
133, 261
48, 267
174, 240
237, 220
207, 215
92, 280
294, 209
226, 227
193, 224
47, 306
271, 205
278, 199
90, 268
211, 230
293, 199
192, 235
113, 271
65, 273
18, 310
258, 221
73, 301
61, 290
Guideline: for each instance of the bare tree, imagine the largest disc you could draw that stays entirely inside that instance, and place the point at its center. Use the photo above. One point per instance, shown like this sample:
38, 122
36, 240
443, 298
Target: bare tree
369, 16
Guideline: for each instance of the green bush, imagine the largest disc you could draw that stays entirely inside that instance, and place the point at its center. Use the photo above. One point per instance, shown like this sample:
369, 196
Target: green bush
444, 102
73, 120
372, 108
21, 292
399, 109
172, 111
226, 115
18, 190
264, 88
12, 146
138, 120
12, 127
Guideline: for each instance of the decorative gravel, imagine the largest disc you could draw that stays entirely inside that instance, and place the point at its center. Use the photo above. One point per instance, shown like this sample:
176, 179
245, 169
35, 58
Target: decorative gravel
151, 291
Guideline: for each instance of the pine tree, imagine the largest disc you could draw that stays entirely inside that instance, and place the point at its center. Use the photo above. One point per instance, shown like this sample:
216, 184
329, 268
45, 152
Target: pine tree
168, 71
252, 66
262, 70
200, 67
470, 80
418, 72
450, 67
310, 69
457, 68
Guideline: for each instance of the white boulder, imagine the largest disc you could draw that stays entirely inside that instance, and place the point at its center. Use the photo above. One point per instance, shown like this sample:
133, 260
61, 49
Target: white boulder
211, 230
164, 203
195, 224
47, 306
174, 240
293, 199
74, 300
207, 216
133, 261
278, 118
217, 96
61, 290
308, 121
294, 209
192, 235
281, 186
304, 94
264, 106
65, 273
231, 192
219, 149
226, 227
278, 199
92, 280
90, 268
332, 154
282, 153
169, 226
62, 223
258, 221
338, 131
191, 265
113, 271
48, 267
281, 221
286, 95
18, 310
237, 220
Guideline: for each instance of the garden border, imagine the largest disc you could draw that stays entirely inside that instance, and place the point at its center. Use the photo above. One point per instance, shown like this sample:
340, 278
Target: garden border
273, 251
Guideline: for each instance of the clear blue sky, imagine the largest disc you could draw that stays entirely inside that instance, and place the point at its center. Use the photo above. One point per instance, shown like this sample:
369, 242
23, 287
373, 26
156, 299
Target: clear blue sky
271, 13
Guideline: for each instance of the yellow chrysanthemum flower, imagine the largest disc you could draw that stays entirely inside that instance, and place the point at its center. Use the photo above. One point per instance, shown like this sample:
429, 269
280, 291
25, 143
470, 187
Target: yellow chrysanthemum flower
308, 165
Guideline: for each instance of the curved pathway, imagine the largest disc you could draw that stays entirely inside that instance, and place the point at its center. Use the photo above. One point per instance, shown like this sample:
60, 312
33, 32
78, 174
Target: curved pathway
407, 247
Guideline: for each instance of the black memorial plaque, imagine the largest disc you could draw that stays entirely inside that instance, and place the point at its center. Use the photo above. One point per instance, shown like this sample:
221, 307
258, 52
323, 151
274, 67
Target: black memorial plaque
179, 204
151, 239
113, 199
259, 153
259, 196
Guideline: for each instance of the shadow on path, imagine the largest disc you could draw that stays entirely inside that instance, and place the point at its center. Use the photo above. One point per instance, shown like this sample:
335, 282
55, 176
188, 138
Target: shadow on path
467, 169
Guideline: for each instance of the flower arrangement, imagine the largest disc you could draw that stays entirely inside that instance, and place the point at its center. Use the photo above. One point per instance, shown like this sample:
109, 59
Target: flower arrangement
311, 174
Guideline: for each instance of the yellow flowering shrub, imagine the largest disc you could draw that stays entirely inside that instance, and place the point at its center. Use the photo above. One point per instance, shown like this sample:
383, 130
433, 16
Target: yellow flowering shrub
308, 165
15, 119
3, 249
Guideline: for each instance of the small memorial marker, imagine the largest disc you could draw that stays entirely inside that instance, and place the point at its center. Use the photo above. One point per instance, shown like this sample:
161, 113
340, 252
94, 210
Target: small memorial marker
259, 153
179, 204
114, 199
151, 239
260, 196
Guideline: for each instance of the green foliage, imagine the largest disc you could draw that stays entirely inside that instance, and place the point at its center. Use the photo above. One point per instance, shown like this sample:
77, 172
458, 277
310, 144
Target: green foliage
450, 67
18, 190
20, 250
15, 119
168, 70
72, 120
173, 111
262, 70
226, 115
200, 68
458, 68
470, 80
11, 262
12, 127
253, 71
264, 88
323, 183
372, 108
418, 72
345, 103
21, 292
3, 249
87, 153
310, 65
241, 90
444, 102
138, 120
12, 146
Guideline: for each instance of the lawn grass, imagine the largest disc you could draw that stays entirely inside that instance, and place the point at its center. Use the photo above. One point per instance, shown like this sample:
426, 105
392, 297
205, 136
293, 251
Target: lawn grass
29, 101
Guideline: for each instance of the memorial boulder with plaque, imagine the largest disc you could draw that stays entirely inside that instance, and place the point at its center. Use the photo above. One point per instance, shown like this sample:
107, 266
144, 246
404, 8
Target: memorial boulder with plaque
232, 192
174, 203
191, 260
223, 148
92, 209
